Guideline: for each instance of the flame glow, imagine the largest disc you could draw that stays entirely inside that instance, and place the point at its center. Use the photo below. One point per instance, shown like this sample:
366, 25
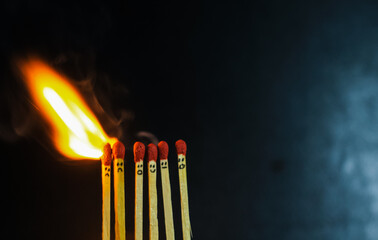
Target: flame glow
77, 132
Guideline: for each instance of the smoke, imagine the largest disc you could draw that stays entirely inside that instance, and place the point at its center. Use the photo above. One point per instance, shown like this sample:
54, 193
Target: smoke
352, 126
147, 137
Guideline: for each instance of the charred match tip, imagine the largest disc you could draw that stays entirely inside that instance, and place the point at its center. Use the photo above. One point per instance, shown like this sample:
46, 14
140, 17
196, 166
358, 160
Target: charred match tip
118, 150
163, 150
106, 158
152, 152
139, 150
181, 147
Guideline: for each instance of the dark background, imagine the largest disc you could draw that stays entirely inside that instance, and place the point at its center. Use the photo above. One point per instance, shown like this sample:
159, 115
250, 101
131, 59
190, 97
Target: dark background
277, 101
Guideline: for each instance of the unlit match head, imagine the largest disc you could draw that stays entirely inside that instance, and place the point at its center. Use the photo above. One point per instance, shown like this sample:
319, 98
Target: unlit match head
152, 152
106, 158
118, 150
181, 147
163, 150
139, 150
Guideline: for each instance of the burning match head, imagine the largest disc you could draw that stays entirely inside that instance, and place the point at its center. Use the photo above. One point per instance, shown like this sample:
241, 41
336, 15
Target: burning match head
139, 150
163, 150
118, 150
106, 158
181, 147
152, 152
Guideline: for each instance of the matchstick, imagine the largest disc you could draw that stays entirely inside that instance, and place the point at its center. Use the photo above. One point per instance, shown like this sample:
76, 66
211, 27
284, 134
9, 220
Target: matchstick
152, 192
166, 186
119, 192
181, 152
139, 150
106, 166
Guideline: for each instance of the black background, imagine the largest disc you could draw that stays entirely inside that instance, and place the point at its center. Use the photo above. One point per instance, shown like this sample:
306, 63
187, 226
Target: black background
277, 101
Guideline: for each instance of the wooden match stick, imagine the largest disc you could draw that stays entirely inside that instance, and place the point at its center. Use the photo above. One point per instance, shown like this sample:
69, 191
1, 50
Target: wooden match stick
106, 166
119, 192
152, 192
139, 150
166, 186
181, 152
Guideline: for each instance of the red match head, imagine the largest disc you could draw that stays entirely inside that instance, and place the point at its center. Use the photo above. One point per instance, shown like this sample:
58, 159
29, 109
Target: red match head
181, 147
106, 158
139, 150
163, 150
152, 152
118, 150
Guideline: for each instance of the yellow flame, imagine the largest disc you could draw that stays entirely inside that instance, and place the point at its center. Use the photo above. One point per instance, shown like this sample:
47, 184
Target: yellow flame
77, 132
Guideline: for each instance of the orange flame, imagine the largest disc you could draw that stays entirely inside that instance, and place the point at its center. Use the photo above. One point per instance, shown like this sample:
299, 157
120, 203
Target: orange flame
77, 132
